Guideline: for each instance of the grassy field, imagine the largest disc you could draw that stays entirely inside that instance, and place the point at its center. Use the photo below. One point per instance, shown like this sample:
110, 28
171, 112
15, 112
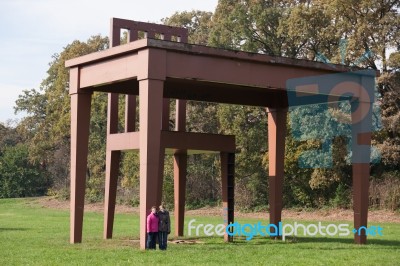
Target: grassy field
33, 235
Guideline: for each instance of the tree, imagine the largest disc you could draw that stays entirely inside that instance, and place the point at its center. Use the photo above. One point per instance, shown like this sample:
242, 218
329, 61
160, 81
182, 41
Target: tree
19, 177
256, 26
197, 22
8, 135
388, 139
46, 128
249, 125
349, 32
364, 33
368, 25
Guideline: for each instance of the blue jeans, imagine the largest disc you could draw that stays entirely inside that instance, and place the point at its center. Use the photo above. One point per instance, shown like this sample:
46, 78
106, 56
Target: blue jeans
151, 240
162, 240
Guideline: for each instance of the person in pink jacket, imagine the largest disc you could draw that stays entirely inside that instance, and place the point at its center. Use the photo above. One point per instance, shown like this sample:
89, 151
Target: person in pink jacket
152, 228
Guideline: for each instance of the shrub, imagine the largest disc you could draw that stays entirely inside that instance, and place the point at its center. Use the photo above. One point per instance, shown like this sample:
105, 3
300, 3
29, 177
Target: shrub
385, 193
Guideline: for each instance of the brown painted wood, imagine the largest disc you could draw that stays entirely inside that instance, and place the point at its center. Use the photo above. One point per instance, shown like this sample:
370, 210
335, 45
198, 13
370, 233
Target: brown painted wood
80, 118
276, 157
157, 70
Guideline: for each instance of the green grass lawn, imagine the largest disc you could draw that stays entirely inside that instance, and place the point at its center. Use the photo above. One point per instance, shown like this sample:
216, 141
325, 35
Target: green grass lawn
32, 235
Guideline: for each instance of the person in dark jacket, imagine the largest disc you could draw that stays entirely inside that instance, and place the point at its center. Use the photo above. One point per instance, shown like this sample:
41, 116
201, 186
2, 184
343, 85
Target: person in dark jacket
152, 228
164, 227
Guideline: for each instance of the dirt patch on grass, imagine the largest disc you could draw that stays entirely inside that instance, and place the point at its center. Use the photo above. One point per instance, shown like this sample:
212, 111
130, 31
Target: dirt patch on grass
311, 215
182, 241
374, 216
52, 203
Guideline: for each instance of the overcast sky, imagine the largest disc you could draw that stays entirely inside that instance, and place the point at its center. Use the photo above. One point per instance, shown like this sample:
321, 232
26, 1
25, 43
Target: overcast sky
31, 31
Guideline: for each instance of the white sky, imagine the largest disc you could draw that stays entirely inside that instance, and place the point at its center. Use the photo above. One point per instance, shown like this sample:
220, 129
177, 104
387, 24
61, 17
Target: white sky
31, 31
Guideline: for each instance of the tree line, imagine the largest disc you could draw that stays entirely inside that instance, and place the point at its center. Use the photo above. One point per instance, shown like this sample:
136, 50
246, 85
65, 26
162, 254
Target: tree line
35, 152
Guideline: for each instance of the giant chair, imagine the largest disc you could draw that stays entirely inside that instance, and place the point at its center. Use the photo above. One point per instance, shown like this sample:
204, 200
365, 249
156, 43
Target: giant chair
178, 142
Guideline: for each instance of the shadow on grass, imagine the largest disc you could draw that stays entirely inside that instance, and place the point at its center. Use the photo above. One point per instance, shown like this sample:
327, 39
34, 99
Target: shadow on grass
345, 243
13, 229
380, 242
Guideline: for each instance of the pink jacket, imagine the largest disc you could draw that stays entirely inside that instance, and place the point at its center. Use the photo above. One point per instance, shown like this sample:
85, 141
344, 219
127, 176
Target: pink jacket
152, 223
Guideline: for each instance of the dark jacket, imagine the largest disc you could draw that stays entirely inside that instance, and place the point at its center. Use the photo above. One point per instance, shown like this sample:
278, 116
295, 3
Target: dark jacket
164, 223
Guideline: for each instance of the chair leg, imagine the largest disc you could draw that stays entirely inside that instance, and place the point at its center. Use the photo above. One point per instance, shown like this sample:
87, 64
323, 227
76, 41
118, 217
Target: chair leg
180, 165
80, 118
112, 167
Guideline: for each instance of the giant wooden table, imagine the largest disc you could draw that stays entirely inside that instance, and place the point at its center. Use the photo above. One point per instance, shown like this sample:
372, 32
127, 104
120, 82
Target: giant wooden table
157, 69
